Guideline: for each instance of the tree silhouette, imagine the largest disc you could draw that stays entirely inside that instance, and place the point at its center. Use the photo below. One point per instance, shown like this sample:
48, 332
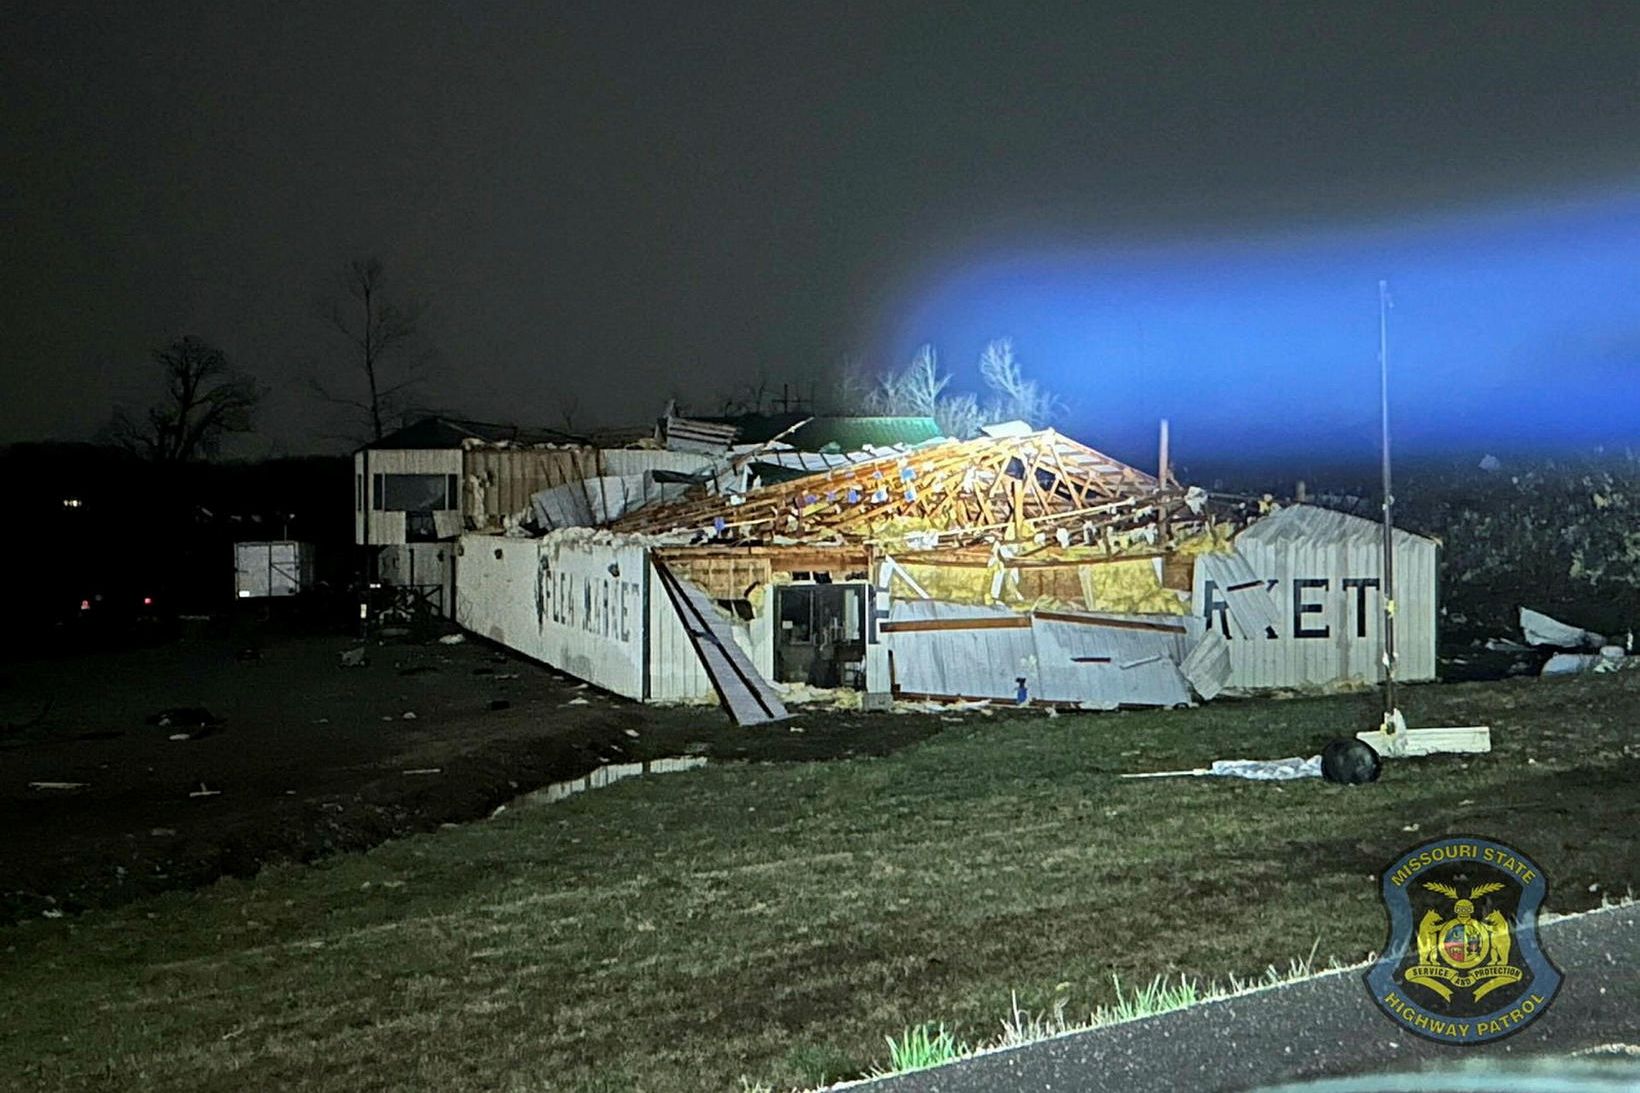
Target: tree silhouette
381, 335
205, 399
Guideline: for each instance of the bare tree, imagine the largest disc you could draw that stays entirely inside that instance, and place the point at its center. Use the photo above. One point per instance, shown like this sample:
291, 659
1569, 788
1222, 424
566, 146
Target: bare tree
1013, 397
569, 408
381, 335
205, 399
959, 416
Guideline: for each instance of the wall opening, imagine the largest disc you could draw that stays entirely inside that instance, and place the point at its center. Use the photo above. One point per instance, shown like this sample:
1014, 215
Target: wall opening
820, 634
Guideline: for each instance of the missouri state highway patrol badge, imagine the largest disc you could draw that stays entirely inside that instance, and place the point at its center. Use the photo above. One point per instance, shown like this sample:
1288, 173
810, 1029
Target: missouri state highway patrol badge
1463, 964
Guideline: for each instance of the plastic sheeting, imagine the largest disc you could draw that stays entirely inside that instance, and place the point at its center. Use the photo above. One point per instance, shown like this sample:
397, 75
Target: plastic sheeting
1267, 770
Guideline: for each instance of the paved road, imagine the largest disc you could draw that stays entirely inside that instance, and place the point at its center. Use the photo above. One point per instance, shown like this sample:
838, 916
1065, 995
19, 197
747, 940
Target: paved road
1319, 1028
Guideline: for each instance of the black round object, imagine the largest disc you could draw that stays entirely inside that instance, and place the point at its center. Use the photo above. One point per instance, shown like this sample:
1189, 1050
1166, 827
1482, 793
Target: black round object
1350, 762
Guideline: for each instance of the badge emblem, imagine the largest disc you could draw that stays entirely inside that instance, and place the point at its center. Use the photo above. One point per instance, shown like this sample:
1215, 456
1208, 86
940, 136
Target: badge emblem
1463, 964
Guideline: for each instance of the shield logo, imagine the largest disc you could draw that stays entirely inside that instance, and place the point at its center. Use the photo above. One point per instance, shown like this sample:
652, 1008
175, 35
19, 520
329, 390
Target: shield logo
1463, 964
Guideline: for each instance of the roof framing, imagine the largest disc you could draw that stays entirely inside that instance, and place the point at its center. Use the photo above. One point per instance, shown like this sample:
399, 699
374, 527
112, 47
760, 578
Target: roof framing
990, 488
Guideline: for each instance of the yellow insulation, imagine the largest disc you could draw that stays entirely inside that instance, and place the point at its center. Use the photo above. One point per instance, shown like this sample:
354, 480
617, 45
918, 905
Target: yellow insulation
1121, 587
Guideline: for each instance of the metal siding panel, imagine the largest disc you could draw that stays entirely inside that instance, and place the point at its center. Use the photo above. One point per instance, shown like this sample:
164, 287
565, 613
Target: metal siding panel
971, 663
1107, 685
1303, 541
675, 671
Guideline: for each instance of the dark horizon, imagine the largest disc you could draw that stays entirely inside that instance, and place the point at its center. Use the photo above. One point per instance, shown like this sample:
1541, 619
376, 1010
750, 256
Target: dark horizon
1184, 215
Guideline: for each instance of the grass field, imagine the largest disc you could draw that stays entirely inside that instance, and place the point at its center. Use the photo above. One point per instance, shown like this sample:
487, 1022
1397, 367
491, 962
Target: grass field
774, 922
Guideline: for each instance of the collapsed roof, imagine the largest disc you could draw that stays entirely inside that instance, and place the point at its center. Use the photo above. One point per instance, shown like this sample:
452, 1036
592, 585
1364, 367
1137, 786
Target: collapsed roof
1008, 488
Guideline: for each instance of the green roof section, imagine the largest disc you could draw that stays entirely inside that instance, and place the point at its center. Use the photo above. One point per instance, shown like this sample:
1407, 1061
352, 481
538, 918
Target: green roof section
850, 434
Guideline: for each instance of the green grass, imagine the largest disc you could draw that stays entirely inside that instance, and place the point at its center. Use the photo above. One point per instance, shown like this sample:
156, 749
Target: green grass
771, 922
922, 1047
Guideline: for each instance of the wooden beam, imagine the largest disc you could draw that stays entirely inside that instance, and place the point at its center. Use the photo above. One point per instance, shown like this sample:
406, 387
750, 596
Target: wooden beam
994, 622
1115, 624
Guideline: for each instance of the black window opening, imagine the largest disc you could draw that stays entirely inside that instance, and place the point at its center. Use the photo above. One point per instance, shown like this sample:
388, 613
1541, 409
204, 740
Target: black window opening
820, 634
416, 492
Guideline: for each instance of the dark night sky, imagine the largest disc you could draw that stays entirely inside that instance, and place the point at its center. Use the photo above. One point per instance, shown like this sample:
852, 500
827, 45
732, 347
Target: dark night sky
620, 202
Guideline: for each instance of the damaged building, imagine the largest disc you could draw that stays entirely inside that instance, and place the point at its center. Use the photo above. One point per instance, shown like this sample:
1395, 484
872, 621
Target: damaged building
1020, 567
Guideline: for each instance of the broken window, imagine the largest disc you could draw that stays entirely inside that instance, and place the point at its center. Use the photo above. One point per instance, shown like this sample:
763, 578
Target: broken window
416, 492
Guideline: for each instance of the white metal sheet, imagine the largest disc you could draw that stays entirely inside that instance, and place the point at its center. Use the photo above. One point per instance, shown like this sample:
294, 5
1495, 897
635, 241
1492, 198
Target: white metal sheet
1103, 662
574, 603
1325, 572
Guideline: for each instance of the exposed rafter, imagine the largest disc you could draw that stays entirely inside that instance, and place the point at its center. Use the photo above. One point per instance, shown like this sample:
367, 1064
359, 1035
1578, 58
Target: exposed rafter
997, 488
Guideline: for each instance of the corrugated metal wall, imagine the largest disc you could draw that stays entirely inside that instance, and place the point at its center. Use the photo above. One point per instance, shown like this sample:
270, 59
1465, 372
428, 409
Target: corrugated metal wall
497, 482
969, 663
675, 670
1323, 572
1095, 661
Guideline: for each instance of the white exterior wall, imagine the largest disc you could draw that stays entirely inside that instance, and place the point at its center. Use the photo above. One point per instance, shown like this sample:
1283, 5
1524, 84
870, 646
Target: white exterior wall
379, 528
675, 670
421, 565
557, 600
1340, 641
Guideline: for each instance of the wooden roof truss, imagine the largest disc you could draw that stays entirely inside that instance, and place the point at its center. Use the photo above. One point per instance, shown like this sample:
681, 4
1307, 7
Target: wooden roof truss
996, 489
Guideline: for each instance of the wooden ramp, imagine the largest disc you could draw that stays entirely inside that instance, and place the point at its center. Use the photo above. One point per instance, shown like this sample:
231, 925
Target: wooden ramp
749, 698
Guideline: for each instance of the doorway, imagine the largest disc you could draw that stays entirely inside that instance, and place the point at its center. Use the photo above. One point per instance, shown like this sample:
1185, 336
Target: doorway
819, 634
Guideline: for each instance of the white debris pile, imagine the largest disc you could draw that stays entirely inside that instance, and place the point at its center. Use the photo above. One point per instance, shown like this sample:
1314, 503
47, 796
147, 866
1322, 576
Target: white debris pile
1576, 643
1542, 630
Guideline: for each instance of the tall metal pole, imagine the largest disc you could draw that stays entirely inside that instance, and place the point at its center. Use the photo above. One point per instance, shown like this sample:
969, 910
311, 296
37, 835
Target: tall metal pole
1388, 596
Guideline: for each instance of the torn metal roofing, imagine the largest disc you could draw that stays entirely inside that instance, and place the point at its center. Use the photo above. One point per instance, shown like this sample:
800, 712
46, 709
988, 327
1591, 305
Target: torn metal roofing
1001, 487
1319, 526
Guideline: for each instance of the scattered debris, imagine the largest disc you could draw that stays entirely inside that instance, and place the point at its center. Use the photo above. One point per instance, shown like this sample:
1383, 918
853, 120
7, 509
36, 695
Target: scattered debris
408, 715
185, 717
1540, 629
1506, 645
577, 702
354, 658
57, 785
1350, 762
425, 770
633, 733
179, 736
1490, 463
452, 639
203, 791
1611, 658
1262, 770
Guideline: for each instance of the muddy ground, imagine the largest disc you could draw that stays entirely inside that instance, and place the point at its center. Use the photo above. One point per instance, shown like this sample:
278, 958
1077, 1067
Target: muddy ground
311, 758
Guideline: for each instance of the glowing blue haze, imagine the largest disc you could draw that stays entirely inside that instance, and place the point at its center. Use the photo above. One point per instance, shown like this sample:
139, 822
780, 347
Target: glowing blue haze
1510, 332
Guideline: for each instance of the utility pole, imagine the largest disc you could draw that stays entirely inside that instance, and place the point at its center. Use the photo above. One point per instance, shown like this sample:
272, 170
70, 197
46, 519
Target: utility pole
1392, 718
